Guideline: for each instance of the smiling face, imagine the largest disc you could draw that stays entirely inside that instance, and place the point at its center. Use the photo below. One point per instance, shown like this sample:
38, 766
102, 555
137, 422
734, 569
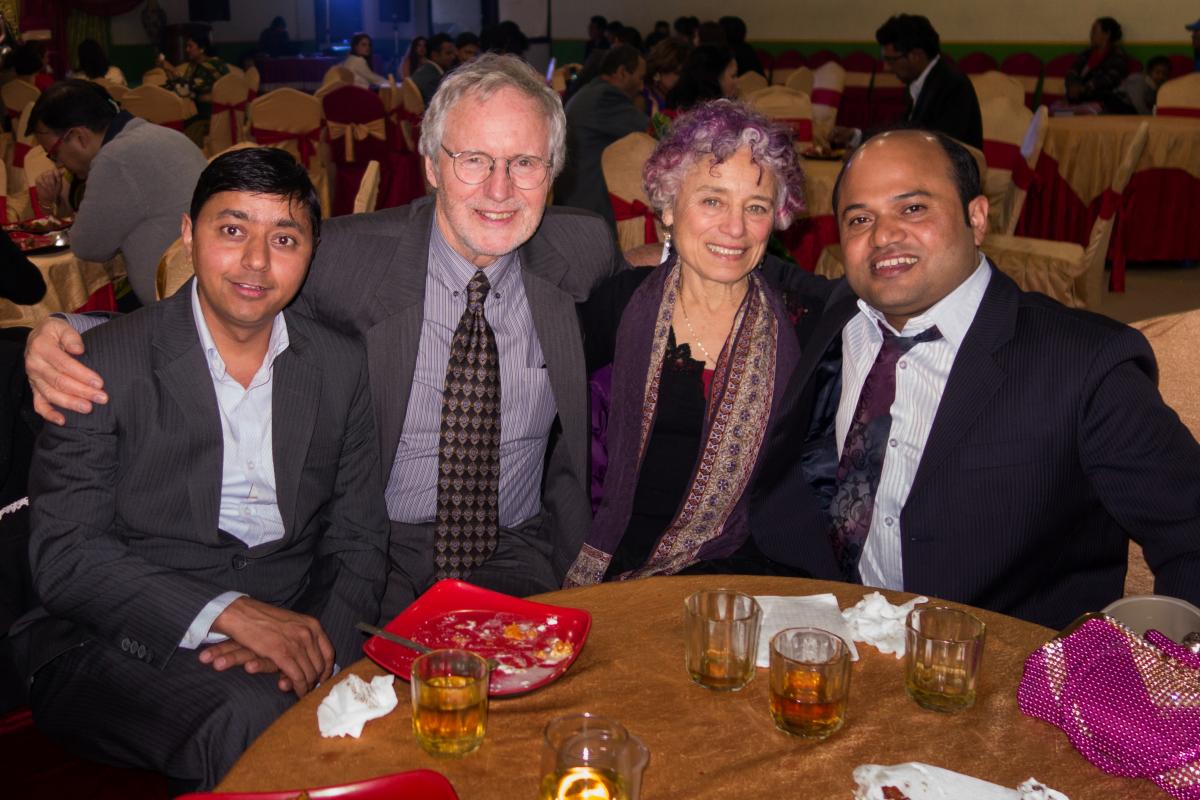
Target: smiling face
487, 220
250, 253
722, 217
905, 242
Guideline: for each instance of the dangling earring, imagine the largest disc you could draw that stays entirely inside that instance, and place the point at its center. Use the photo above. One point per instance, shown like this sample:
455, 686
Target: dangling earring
666, 245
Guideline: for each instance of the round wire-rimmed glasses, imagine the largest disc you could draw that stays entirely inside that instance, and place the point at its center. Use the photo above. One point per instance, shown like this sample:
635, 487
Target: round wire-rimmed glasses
473, 167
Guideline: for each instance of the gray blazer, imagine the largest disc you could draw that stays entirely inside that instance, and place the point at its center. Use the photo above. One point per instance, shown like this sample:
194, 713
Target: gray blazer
125, 546
369, 279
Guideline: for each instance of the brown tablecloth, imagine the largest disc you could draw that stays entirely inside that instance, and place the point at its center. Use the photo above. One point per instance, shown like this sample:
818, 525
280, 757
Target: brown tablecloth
70, 281
703, 743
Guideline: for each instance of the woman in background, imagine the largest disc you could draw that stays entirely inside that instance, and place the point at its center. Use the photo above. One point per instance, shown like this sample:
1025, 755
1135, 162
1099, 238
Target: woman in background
1099, 70
195, 81
418, 49
359, 62
663, 66
93, 64
707, 74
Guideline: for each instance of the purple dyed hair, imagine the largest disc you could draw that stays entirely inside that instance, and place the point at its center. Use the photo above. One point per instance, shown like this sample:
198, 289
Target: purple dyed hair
719, 129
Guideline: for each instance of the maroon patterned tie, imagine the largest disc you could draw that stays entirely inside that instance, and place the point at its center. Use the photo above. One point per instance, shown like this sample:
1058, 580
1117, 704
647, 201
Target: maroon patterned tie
469, 449
861, 463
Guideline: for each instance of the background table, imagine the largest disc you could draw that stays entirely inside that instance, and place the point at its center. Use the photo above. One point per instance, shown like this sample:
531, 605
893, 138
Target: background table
703, 743
71, 284
810, 234
299, 72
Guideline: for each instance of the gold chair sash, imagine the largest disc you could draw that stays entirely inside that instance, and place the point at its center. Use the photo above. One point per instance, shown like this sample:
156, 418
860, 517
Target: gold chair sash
349, 131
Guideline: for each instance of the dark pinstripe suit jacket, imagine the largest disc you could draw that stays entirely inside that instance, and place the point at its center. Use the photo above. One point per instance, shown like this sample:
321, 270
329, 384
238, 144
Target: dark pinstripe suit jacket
1051, 446
125, 545
369, 280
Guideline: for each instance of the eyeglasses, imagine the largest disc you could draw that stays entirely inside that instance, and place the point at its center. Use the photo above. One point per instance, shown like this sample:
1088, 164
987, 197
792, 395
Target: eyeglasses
473, 167
893, 59
52, 150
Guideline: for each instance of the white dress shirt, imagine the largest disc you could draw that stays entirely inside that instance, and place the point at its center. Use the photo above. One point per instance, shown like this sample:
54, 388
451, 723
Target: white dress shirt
921, 377
249, 506
914, 88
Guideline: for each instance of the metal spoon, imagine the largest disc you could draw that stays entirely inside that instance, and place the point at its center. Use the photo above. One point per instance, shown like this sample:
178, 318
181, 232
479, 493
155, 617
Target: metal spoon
409, 643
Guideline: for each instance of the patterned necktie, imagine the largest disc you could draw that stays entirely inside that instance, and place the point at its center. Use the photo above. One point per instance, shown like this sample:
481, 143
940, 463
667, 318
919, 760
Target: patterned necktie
862, 456
469, 448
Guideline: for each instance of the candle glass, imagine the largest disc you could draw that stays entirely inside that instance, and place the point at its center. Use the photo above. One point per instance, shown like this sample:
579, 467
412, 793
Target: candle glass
586, 757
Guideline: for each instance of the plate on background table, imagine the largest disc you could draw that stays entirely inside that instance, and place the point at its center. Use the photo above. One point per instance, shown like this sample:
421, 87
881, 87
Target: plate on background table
534, 643
31, 244
419, 784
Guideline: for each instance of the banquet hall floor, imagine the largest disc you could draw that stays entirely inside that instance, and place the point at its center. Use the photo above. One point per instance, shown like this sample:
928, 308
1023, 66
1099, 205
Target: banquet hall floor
1153, 292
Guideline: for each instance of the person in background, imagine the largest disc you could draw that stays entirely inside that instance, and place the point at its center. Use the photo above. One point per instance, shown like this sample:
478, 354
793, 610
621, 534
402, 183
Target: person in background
1195, 29
504, 37
21, 282
1139, 91
467, 46
685, 28
596, 39
274, 40
441, 59
360, 60
663, 67
707, 74
598, 115
93, 63
203, 69
29, 64
612, 32
735, 34
661, 32
139, 177
414, 56
722, 180
1099, 70
711, 33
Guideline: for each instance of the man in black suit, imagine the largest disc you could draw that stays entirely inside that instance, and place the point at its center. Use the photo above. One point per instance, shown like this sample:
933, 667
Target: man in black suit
203, 544
957, 437
940, 97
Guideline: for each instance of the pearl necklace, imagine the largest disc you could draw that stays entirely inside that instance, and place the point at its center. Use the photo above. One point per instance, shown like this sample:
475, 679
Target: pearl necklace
692, 331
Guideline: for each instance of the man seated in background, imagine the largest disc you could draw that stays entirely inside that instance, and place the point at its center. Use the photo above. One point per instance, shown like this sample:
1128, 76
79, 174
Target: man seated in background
139, 177
203, 544
957, 437
441, 58
466, 45
598, 115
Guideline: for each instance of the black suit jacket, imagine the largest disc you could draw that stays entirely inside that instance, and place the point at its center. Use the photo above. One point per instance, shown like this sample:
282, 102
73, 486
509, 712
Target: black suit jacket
125, 500
947, 103
1050, 448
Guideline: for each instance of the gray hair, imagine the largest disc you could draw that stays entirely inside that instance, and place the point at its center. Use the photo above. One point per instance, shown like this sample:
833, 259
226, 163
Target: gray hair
481, 79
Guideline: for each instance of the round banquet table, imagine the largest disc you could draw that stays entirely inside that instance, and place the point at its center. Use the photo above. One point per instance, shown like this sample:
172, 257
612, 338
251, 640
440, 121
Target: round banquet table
70, 284
703, 743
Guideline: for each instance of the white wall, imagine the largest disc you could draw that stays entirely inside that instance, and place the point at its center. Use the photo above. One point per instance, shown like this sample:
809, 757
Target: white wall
1155, 21
247, 20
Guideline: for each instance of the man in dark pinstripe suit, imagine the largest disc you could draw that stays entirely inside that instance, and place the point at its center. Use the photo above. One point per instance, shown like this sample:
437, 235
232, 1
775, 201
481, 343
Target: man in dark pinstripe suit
222, 502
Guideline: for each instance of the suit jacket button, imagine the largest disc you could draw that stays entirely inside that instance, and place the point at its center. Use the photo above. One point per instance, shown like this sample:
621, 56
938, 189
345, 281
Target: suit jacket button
239, 561
141, 651
125, 644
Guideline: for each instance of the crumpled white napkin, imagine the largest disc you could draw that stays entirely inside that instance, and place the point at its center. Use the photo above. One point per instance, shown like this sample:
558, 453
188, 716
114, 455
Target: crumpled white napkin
877, 622
353, 703
812, 611
925, 782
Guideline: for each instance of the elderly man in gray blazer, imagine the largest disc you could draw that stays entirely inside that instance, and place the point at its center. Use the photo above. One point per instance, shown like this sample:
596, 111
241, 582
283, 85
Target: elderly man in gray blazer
481, 274
222, 502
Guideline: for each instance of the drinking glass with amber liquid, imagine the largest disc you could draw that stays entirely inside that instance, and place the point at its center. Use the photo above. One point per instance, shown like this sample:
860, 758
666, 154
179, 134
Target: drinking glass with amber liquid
721, 627
943, 651
810, 682
586, 757
449, 701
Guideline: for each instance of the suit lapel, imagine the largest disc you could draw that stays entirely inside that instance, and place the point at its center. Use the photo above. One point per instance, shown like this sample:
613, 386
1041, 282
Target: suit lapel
975, 376
295, 398
842, 305
392, 342
182, 370
557, 325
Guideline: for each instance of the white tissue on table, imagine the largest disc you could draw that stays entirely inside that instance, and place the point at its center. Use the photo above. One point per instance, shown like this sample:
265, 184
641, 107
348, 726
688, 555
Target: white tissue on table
812, 611
877, 622
925, 782
353, 703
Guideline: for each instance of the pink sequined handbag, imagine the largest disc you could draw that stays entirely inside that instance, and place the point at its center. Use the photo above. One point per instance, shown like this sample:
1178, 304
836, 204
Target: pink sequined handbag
1130, 705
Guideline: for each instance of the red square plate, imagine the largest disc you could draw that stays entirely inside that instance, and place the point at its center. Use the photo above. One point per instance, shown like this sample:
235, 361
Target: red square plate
535, 643
419, 784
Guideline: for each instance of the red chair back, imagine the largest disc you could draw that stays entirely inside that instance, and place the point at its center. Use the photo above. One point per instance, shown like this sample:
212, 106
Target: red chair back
855, 108
821, 58
1059, 66
765, 60
788, 59
353, 105
1026, 68
1181, 65
976, 63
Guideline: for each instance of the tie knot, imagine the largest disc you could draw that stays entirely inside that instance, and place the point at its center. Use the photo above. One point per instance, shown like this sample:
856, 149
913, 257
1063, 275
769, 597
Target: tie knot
902, 344
477, 289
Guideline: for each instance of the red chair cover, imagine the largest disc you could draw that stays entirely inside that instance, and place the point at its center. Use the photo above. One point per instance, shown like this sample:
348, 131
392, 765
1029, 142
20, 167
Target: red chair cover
34, 204
349, 105
1059, 66
789, 59
975, 63
801, 126
625, 209
20, 150
306, 141
232, 108
1181, 65
821, 58
765, 60
1172, 111
103, 299
826, 97
173, 124
1005, 155
397, 116
3, 209
14, 113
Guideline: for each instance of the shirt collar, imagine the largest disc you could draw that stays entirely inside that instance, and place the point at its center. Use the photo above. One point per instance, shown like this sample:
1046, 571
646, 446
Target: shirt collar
952, 315
216, 365
914, 88
455, 272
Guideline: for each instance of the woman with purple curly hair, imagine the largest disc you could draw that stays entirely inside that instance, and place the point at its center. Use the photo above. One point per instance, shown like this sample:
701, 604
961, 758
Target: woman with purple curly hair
699, 351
